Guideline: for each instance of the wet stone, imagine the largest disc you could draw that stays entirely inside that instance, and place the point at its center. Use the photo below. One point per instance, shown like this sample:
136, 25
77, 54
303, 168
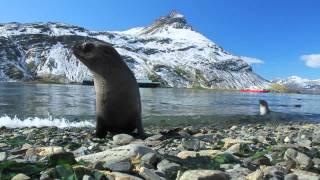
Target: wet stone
301, 159
120, 166
87, 177
291, 177
191, 144
154, 137
149, 159
61, 158
21, 177
122, 139
204, 174
170, 169
148, 174
3, 156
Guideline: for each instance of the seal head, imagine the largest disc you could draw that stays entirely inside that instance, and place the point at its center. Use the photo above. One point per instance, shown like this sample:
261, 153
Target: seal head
264, 108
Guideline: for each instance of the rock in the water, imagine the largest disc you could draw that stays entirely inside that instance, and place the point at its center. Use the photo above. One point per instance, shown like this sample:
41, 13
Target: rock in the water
170, 169
117, 154
301, 159
120, 166
191, 144
61, 158
122, 139
3, 156
204, 174
148, 174
20, 176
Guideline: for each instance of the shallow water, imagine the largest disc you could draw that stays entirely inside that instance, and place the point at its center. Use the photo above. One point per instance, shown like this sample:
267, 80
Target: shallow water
77, 103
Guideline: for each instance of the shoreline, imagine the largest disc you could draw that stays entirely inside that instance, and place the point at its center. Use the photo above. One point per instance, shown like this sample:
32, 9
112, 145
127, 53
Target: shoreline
49, 82
230, 152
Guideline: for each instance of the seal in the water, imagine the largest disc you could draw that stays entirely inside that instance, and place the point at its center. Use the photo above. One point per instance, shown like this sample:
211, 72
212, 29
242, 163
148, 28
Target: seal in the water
118, 106
264, 108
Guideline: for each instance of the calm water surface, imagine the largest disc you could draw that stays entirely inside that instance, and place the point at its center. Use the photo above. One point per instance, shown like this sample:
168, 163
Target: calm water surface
77, 103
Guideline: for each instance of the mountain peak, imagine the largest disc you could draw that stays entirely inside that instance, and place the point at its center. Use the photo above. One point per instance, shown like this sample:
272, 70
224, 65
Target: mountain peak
175, 14
174, 20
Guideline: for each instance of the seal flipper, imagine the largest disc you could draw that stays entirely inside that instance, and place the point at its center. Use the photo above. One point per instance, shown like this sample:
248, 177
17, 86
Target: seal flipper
140, 130
101, 131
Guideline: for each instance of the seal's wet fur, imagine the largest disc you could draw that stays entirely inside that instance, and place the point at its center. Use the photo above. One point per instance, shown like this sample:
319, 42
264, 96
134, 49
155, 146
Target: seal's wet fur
118, 106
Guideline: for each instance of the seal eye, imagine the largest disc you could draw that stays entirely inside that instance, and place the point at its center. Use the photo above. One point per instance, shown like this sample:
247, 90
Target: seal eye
87, 47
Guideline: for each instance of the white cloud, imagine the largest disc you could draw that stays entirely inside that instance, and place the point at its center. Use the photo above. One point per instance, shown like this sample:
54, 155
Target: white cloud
251, 60
311, 60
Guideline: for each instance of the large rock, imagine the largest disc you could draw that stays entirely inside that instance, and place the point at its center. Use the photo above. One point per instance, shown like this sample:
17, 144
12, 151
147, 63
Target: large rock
117, 154
122, 139
301, 159
305, 175
204, 175
120, 166
21, 177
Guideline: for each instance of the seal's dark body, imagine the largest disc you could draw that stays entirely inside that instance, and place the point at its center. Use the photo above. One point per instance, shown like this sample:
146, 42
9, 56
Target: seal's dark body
118, 106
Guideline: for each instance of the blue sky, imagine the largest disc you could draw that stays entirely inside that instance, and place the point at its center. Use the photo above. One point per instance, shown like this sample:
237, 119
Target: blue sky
284, 34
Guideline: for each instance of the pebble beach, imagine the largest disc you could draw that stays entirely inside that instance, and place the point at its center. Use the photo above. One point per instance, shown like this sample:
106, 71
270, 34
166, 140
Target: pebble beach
248, 151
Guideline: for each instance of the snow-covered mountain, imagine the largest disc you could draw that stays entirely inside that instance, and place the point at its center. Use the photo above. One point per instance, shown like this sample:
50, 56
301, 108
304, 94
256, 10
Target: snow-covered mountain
168, 50
298, 83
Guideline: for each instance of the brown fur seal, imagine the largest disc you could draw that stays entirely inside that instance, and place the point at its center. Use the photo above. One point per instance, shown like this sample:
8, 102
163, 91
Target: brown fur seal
118, 106
264, 108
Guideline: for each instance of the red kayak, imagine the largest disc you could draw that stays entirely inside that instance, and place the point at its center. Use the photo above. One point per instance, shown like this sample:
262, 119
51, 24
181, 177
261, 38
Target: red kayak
255, 90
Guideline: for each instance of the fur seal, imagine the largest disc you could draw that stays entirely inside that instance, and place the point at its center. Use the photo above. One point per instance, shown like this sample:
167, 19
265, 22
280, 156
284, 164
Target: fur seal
118, 105
264, 108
